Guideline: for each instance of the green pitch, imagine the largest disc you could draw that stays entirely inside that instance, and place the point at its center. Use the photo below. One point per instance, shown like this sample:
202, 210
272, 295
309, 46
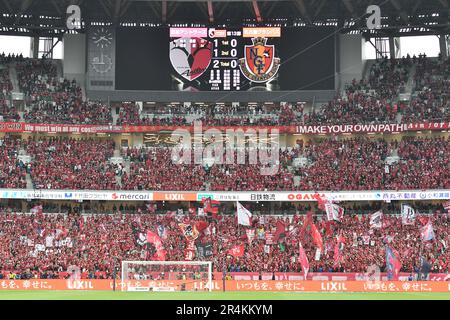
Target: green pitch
110, 295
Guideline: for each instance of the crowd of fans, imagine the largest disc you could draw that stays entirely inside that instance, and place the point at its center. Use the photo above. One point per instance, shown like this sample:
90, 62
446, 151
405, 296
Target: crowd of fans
387, 77
48, 245
52, 99
353, 164
372, 100
12, 170
326, 164
242, 177
8, 58
432, 90
212, 115
37, 78
154, 169
7, 111
67, 163
331, 164
359, 164
425, 164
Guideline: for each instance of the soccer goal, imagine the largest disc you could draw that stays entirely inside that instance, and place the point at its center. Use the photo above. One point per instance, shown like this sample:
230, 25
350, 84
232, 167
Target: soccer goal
166, 276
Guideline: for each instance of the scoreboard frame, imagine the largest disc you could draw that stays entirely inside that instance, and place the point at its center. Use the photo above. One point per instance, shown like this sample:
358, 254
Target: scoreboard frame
239, 58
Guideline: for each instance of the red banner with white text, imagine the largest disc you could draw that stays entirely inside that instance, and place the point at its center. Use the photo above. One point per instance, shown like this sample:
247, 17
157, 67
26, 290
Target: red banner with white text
305, 129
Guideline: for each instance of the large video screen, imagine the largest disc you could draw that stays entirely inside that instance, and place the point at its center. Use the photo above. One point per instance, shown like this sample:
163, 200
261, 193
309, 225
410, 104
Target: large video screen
225, 59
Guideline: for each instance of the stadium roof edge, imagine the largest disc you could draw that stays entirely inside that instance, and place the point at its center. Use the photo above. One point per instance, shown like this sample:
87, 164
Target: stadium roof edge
47, 17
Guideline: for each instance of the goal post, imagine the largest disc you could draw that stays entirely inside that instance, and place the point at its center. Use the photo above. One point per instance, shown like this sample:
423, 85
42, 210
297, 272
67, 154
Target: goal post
166, 276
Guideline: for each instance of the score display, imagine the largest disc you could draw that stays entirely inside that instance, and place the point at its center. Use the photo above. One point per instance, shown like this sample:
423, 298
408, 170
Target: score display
223, 59
216, 59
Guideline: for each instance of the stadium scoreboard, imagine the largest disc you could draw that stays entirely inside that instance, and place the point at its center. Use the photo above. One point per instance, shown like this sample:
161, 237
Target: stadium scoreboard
221, 59
216, 59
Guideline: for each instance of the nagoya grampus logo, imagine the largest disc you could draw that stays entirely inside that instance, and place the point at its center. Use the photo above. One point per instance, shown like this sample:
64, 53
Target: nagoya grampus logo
190, 57
259, 63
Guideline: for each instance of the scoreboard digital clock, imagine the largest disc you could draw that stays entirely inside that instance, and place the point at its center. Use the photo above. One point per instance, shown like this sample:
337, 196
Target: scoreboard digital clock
217, 59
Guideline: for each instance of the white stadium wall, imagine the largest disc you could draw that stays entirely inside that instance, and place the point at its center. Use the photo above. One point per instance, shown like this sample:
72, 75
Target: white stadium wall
74, 60
351, 58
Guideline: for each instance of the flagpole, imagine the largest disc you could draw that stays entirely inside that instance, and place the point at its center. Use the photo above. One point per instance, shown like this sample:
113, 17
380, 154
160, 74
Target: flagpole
419, 274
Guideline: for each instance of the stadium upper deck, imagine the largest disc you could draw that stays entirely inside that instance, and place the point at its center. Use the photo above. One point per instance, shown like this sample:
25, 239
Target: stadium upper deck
375, 100
331, 164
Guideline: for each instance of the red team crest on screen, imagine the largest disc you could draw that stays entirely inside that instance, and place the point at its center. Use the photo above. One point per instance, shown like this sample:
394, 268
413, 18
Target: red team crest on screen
259, 63
190, 57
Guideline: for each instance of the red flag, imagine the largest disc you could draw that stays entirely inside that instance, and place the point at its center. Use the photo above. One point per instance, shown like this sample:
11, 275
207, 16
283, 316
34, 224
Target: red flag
328, 229
317, 237
201, 225
208, 206
153, 238
423, 220
309, 219
237, 251
303, 260
280, 231
306, 223
320, 202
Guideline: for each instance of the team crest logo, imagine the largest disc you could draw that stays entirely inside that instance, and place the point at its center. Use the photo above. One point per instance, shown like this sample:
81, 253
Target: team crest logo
259, 63
190, 57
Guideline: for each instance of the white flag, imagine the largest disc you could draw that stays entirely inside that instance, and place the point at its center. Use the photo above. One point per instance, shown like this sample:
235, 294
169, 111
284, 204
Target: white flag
317, 256
408, 214
334, 212
244, 216
49, 241
376, 219
201, 212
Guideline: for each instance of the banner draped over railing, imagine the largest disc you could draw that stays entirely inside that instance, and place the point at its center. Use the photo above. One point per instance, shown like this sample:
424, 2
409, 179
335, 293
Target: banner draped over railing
299, 129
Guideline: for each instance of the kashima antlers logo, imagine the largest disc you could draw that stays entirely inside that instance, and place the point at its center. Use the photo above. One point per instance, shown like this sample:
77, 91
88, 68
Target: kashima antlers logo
190, 57
259, 63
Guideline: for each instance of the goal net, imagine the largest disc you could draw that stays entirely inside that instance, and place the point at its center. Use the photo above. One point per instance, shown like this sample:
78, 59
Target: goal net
166, 276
